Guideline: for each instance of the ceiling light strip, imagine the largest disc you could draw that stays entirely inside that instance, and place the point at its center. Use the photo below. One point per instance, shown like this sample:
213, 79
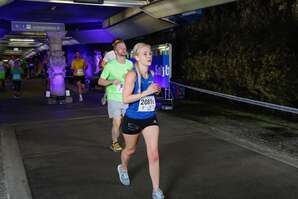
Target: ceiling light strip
122, 3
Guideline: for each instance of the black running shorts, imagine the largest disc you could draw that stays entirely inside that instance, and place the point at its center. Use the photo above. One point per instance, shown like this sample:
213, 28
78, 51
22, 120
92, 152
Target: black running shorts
132, 126
79, 79
17, 85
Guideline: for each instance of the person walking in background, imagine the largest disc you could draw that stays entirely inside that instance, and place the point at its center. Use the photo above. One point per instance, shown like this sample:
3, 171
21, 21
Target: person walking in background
140, 118
79, 66
10, 64
24, 66
45, 63
38, 67
2, 75
16, 76
112, 77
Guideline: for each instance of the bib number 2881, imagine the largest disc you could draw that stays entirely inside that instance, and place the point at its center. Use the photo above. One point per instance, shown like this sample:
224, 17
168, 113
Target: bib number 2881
147, 104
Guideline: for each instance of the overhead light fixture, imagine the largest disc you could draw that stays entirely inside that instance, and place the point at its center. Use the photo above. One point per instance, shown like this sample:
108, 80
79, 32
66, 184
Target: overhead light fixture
118, 3
21, 40
89, 1
22, 44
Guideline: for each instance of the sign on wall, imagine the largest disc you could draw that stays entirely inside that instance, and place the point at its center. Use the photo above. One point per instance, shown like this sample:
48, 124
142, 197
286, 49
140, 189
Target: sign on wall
27, 26
162, 64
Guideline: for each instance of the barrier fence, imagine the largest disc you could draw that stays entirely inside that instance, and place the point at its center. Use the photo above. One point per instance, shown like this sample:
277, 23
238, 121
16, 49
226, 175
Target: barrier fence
241, 99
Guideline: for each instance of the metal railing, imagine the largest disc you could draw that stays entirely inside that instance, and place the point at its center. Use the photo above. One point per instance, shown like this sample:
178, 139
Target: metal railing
241, 99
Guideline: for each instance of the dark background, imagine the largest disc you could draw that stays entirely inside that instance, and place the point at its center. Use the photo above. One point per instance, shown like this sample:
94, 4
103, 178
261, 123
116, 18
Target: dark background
247, 48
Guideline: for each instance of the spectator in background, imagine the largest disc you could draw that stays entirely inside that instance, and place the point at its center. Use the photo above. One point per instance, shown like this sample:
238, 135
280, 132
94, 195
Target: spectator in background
38, 67
24, 66
45, 64
2, 75
10, 64
16, 76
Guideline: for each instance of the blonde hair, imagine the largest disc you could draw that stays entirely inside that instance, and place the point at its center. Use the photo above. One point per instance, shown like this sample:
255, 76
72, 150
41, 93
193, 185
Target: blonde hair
135, 52
116, 42
136, 49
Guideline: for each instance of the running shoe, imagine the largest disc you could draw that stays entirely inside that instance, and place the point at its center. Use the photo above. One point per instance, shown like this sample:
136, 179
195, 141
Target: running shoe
115, 147
158, 194
123, 175
81, 98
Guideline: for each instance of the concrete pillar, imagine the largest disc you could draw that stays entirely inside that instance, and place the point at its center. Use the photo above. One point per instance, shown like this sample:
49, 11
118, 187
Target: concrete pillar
56, 64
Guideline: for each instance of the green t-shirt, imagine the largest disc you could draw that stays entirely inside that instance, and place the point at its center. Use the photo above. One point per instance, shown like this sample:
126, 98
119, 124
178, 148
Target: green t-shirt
2, 72
113, 70
16, 73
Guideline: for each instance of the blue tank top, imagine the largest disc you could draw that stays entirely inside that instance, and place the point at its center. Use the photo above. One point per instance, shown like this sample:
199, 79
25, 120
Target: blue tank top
132, 110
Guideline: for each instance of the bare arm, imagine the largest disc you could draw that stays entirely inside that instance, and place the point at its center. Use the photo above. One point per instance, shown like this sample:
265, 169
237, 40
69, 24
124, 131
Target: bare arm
128, 96
105, 82
103, 63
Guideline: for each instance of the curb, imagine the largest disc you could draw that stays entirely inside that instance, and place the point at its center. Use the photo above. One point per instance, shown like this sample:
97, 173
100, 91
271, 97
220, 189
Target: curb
15, 178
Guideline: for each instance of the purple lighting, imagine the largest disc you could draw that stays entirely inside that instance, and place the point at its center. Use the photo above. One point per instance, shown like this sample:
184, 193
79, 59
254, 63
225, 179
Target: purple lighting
97, 58
56, 75
56, 63
93, 36
91, 55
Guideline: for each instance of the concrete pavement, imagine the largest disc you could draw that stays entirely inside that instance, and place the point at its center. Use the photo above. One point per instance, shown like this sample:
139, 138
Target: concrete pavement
65, 152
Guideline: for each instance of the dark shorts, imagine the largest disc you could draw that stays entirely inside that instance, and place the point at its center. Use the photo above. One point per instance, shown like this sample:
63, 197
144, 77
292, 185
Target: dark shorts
17, 85
79, 79
132, 126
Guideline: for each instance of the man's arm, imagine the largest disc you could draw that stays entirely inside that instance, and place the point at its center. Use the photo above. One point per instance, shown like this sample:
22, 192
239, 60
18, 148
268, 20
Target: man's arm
103, 63
105, 82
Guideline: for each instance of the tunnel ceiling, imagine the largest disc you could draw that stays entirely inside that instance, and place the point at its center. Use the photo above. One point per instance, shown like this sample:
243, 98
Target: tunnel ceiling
92, 23
76, 17
56, 12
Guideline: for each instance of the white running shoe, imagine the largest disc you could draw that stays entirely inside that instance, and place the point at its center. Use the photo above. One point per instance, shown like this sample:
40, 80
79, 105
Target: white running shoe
123, 175
158, 194
81, 98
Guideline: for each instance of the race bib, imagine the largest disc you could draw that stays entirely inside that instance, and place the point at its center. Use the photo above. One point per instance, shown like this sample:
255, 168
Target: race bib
16, 76
147, 104
80, 72
119, 88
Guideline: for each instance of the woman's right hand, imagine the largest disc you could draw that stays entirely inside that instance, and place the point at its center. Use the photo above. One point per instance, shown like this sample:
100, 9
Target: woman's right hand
153, 88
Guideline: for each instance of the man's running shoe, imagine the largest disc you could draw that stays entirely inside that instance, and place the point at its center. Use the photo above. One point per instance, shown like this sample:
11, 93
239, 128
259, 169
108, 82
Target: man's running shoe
158, 194
123, 175
115, 147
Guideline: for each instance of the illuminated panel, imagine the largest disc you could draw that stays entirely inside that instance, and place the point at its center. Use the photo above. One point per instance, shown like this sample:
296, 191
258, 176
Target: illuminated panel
162, 64
23, 26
